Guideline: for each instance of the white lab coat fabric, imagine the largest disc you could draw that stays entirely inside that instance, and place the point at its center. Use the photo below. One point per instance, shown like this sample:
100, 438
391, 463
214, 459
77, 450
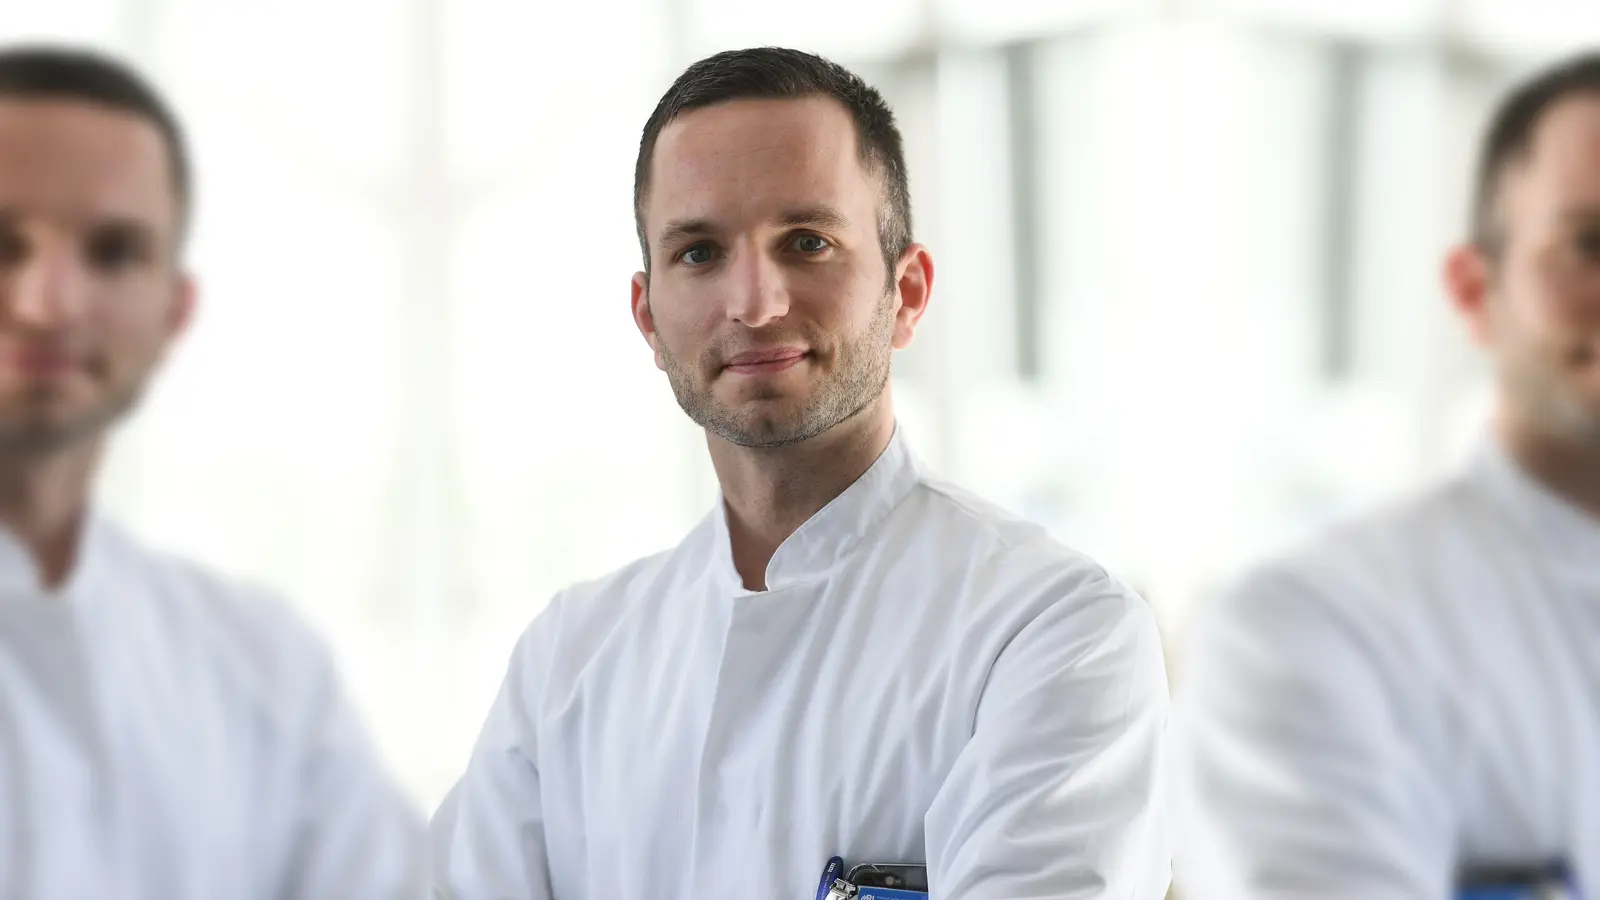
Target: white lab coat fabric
1413, 695
925, 680
165, 735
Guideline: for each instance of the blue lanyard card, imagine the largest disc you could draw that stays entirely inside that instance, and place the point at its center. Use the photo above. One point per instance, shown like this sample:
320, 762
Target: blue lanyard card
833, 886
1548, 883
1517, 892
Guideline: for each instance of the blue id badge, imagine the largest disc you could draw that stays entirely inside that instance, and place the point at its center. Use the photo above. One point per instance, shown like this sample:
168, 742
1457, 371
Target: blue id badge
1553, 882
834, 885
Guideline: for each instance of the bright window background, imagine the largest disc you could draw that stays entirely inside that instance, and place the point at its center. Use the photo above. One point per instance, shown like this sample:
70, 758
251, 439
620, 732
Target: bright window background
1187, 305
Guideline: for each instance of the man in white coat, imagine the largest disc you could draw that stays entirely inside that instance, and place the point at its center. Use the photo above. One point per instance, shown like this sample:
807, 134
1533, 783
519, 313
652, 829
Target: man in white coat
164, 733
1415, 698
846, 657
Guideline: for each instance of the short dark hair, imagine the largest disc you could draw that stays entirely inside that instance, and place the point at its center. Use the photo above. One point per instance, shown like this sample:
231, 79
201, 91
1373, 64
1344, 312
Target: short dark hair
781, 74
1509, 137
47, 72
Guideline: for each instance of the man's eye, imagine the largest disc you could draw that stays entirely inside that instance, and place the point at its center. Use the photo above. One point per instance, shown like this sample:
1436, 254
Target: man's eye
810, 243
698, 255
12, 248
1587, 242
113, 251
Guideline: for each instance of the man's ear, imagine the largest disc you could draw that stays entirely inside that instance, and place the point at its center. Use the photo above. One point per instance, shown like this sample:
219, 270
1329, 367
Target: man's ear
642, 318
181, 313
1469, 280
913, 285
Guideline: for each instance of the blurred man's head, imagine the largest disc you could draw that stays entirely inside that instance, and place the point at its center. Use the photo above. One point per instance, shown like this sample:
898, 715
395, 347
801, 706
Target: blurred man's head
774, 216
1529, 281
94, 197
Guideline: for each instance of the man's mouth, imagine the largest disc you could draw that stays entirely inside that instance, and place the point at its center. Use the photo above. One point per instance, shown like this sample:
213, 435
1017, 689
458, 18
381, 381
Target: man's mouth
763, 362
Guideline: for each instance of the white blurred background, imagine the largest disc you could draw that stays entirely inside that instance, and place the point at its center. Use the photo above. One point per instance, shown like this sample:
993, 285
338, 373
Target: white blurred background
1186, 308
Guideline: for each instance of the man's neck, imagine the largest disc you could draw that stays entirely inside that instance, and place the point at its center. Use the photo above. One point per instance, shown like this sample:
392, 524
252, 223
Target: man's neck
1568, 466
43, 498
770, 493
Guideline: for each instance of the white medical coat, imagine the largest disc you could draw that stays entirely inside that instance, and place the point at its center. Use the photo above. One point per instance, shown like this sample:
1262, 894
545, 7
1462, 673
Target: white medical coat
926, 679
165, 735
1415, 694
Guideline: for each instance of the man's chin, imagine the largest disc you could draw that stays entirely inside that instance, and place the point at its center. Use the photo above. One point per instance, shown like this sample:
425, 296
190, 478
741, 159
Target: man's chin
763, 434
1584, 401
34, 433
39, 441
1589, 428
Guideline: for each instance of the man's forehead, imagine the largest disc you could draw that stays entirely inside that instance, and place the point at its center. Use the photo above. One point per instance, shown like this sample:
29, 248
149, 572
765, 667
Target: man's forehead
760, 116
748, 156
84, 124
1568, 138
84, 159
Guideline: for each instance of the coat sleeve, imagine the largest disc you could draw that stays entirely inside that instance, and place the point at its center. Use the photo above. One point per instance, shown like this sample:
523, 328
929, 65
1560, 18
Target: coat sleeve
1298, 770
1060, 792
488, 837
355, 834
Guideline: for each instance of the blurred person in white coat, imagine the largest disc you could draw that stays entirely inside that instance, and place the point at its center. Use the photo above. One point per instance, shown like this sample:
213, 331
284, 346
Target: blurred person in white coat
1416, 696
165, 734
847, 657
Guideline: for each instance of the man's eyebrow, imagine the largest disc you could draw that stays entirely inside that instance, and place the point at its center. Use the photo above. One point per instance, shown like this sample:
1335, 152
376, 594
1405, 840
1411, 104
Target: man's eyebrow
138, 228
141, 229
824, 217
679, 229
1581, 213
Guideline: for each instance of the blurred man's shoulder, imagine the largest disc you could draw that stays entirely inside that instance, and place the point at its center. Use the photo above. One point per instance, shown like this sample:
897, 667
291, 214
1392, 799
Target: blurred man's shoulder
1381, 568
244, 634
